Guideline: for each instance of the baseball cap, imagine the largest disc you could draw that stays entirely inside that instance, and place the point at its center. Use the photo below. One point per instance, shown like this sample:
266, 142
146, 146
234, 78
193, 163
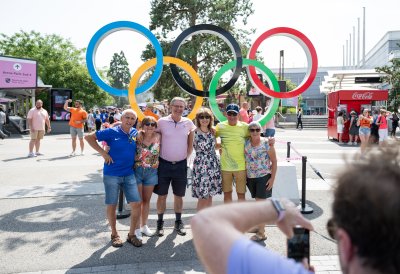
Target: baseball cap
233, 108
149, 105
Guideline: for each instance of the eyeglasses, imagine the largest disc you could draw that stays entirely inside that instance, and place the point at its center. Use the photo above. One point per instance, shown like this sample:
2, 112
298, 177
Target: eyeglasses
201, 117
231, 113
150, 124
254, 129
331, 227
176, 106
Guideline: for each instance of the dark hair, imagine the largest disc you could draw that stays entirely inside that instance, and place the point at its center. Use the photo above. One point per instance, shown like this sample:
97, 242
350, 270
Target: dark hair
367, 206
148, 119
203, 111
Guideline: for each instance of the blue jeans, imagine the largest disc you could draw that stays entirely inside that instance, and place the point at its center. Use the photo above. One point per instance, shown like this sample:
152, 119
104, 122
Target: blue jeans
128, 184
146, 175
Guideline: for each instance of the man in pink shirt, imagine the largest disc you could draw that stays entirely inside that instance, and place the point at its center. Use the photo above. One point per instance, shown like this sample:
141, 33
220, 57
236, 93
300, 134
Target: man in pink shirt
176, 145
38, 118
244, 116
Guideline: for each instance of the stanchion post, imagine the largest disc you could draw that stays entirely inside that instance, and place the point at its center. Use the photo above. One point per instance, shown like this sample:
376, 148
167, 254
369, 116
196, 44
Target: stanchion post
288, 151
121, 213
304, 208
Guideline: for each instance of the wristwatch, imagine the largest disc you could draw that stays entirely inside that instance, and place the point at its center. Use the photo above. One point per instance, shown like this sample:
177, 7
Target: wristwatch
279, 207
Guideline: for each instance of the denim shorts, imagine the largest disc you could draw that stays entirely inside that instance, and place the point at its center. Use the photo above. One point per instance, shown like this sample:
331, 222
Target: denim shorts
364, 131
146, 176
269, 132
128, 184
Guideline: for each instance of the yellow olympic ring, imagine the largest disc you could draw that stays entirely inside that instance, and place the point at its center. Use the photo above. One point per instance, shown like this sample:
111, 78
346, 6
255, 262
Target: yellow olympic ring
166, 60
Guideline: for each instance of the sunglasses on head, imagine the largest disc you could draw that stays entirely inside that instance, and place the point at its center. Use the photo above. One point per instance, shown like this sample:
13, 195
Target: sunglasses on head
150, 124
231, 113
254, 129
201, 117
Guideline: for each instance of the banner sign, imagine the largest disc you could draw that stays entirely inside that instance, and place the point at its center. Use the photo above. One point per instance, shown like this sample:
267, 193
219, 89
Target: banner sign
17, 73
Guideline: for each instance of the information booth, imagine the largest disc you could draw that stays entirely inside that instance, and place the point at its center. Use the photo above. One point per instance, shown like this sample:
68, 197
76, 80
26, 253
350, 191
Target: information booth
349, 100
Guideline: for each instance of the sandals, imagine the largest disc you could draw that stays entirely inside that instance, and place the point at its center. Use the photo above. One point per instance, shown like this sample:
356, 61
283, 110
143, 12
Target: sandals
258, 237
132, 239
116, 241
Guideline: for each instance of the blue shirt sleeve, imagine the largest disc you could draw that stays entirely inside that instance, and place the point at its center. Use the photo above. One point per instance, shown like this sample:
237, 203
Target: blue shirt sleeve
248, 257
103, 135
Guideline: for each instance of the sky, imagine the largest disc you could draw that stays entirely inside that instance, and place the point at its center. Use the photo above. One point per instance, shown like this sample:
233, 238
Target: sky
327, 24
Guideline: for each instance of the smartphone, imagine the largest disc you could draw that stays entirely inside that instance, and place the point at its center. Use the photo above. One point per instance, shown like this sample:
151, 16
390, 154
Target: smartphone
298, 247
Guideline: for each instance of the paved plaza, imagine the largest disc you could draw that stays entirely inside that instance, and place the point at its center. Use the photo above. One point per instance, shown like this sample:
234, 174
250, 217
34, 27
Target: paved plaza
52, 213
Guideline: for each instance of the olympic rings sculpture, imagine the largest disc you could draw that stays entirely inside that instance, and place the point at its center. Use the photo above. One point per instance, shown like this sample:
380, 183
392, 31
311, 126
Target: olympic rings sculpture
198, 90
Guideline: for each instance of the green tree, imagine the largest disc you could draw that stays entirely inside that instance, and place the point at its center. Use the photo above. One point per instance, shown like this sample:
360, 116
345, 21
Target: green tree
206, 53
119, 75
392, 77
60, 64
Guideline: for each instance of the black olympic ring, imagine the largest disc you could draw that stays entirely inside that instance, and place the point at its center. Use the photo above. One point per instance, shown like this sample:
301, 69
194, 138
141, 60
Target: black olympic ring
223, 34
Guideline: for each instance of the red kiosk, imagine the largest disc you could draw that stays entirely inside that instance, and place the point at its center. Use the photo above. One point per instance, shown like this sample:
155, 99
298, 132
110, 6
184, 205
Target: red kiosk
348, 100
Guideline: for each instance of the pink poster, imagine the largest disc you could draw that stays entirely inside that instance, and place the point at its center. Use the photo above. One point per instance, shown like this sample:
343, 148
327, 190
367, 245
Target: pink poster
17, 73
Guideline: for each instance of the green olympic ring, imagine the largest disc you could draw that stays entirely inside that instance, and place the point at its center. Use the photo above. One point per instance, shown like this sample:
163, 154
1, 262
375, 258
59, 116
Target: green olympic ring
246, 62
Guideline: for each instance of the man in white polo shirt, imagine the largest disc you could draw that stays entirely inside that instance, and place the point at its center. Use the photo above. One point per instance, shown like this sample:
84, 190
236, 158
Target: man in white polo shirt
176, 145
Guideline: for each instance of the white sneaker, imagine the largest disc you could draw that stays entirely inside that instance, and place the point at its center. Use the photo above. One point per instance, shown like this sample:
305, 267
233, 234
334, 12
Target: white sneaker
138, 234
355, 143
82, 153
146, 231
31, 155
349, 143
39, 154
72, 154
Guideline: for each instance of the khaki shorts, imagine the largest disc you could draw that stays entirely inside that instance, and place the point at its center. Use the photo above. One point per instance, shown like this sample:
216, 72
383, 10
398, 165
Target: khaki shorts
240, 181
37, 134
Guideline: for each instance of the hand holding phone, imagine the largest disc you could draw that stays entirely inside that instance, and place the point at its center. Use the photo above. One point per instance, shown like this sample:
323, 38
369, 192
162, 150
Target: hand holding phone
298, 247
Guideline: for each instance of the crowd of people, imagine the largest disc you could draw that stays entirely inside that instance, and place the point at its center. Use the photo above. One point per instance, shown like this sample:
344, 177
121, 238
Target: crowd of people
149, 156
368, 127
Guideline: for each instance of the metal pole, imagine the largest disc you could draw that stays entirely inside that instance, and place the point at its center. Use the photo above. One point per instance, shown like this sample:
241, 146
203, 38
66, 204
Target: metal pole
121, 213
304, 208
288, 151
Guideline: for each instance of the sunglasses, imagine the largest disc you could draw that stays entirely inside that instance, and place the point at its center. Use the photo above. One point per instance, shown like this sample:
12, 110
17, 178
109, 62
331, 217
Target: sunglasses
331, 227
254, 129
150, 124
231, 113
201, 117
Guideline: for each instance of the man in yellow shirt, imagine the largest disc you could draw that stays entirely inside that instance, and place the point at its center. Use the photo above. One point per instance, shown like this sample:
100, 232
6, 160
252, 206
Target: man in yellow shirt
233, 165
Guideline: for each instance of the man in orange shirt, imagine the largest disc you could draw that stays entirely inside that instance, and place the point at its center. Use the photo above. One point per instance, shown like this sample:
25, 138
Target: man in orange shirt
76, 123
149, 111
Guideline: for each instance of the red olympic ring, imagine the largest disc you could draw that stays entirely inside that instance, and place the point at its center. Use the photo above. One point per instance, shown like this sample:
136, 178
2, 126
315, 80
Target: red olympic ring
307, 46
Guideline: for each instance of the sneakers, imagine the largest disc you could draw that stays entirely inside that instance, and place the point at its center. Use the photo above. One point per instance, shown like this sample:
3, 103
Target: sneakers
355, 143
160, 228
180, 228
138, 234
82, 153
39, 154
146, 231
72, 154
31, 155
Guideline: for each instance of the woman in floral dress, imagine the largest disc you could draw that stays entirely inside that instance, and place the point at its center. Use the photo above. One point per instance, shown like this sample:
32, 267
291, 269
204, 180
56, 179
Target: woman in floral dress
146, 164
206, 165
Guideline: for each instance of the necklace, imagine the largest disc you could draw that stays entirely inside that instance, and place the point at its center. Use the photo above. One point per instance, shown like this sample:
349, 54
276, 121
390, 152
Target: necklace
204, 131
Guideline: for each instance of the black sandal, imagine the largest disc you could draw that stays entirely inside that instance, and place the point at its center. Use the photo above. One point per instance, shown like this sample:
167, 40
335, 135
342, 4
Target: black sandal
134, 241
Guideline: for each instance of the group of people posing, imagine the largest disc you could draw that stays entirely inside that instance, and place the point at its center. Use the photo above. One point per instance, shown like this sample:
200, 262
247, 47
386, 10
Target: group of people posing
369, 128
154, 156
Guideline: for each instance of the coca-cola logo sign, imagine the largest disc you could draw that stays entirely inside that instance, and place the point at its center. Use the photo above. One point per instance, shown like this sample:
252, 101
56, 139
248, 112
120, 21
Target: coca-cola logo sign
362, 96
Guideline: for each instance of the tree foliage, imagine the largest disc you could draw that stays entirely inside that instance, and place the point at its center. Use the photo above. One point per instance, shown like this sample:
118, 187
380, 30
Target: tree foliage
60, 64
119, 75
204, 52
392, 77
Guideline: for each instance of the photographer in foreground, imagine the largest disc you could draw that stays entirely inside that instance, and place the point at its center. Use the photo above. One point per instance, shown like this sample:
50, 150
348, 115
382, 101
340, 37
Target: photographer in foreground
365, 224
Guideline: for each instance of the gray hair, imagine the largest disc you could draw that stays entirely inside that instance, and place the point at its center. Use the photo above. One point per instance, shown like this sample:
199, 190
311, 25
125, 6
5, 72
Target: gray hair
129, 111
255, 124
178, 99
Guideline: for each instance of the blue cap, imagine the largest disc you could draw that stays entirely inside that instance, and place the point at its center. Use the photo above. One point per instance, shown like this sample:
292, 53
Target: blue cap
233, 108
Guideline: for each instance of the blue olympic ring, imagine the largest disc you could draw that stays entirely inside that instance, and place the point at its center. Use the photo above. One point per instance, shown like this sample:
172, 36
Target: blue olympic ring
107, 30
